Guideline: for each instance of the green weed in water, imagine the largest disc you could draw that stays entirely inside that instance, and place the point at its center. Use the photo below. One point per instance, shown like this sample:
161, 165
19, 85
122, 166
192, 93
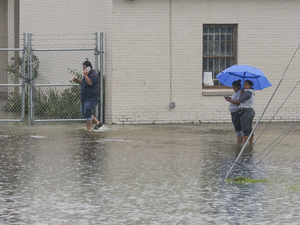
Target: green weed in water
244, 180
293, 188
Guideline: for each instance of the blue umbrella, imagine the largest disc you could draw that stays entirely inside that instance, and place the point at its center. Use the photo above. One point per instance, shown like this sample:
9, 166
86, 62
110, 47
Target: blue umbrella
244, 72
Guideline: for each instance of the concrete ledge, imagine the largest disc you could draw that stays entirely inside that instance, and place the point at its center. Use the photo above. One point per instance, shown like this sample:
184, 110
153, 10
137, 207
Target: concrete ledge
217, 92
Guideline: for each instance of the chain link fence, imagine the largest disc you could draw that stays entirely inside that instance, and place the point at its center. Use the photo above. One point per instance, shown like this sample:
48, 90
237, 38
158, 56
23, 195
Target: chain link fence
35, 80
60, 57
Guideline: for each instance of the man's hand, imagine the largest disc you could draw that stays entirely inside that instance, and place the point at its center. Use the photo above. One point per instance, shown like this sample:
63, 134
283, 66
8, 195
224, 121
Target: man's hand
227, 98
76, 80
85, 72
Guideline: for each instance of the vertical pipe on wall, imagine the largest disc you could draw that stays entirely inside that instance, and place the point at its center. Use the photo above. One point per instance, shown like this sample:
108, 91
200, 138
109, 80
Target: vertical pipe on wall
171, 103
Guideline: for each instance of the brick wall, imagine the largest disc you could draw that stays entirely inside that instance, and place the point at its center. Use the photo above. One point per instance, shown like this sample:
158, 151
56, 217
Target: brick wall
267, 36
147, 53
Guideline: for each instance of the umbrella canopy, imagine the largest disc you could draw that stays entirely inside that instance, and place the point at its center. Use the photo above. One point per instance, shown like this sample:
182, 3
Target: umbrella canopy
244, 72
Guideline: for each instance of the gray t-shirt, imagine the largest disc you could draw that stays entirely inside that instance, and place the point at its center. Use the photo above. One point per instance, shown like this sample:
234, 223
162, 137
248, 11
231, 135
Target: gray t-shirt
235, 96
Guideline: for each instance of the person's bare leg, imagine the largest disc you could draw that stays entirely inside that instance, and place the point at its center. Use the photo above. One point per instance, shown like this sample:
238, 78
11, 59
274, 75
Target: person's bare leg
89, 125
239, 140
95, 121
251, 139
244, 139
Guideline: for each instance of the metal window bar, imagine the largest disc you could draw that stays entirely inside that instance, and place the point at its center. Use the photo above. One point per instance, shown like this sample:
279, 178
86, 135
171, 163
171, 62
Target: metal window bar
217, 59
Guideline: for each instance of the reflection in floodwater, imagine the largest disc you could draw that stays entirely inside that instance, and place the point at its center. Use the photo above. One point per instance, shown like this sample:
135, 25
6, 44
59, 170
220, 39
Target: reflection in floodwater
143, 175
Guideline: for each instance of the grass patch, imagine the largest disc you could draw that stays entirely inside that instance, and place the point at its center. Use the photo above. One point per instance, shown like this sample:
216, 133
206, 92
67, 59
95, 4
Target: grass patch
294, 188
245, 180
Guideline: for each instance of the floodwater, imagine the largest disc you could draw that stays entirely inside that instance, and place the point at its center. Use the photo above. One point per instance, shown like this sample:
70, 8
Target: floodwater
172, 174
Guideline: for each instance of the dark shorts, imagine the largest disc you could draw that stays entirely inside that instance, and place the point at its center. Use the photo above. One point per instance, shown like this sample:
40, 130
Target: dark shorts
88, 108
235, 117
246, 117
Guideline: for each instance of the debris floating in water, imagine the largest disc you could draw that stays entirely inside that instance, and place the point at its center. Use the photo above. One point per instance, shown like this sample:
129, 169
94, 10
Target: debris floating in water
4, 136
245, 180
112, 140
38, 137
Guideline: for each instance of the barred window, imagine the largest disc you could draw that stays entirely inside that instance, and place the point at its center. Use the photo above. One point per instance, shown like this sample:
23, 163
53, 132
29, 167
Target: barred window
219, 51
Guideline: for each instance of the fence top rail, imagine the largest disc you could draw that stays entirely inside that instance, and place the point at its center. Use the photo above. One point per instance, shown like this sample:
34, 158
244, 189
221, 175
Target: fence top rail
59, 120
62, 49
11, 85
11, 49
55, 85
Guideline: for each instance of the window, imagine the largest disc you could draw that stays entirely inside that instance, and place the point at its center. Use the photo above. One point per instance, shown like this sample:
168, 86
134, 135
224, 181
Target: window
219, 51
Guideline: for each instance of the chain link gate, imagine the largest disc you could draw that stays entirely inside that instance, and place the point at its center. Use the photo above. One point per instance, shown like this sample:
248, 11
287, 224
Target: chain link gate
26, 80
60, 100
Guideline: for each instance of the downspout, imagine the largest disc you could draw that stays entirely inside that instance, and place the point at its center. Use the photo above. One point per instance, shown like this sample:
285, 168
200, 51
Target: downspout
17, 23
172, 104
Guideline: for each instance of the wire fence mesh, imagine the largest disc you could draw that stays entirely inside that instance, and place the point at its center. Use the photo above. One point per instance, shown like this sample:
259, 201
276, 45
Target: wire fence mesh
11, 85
11, 102
53, 102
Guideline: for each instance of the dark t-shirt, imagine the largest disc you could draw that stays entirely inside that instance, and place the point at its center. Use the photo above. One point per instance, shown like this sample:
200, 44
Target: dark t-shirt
90, 92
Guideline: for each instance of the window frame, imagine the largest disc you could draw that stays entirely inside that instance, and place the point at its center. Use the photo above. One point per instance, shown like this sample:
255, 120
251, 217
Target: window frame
206, 57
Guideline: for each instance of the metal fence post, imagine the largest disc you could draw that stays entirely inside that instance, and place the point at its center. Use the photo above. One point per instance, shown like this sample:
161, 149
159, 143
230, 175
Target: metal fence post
97, 52
99, 66
102, 76
23, 72
30, 79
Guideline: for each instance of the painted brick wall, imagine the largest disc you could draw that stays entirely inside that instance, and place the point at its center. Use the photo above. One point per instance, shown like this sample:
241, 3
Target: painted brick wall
140, 61
267, 37
139, 64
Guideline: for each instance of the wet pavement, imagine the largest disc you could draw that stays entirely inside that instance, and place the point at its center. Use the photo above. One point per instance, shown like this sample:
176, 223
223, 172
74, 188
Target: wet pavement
171, 174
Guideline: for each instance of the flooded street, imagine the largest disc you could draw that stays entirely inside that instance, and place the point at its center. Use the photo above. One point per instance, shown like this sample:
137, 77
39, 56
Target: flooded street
172, 174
